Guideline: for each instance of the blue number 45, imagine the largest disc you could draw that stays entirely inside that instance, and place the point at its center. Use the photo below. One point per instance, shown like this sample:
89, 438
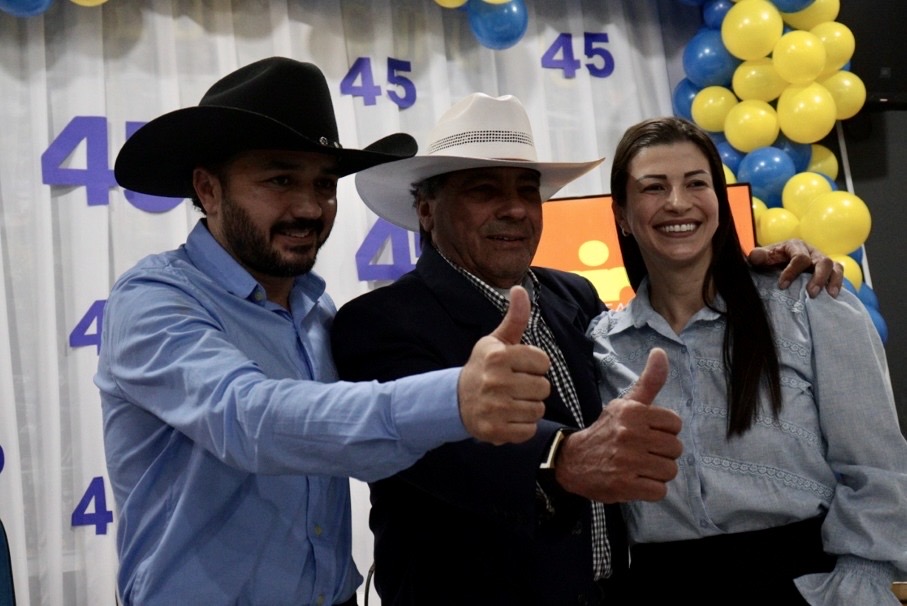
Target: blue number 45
560, 55
96, 177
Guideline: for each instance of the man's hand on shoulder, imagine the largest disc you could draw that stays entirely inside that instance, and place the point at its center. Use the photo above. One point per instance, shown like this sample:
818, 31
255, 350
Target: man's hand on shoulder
801, 257
630, 451
502, 387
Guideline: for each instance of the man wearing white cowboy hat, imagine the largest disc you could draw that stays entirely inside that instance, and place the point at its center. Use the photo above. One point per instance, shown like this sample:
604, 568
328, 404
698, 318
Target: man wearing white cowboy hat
524, 523
228, 440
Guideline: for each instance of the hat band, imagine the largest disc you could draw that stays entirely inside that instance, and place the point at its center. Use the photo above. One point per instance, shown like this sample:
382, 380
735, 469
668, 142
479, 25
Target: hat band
481, 136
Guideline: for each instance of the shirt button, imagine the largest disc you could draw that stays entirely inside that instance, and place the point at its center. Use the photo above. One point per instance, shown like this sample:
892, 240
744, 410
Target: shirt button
320, 600
259, 295
691, 459
690, 403
703, 523
318, 530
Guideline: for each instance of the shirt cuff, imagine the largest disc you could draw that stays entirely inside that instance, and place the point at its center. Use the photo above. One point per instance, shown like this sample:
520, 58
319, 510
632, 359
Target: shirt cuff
427, 409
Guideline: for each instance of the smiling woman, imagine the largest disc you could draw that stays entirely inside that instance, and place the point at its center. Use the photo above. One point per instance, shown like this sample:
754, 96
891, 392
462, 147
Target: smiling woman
671, 210
777, 460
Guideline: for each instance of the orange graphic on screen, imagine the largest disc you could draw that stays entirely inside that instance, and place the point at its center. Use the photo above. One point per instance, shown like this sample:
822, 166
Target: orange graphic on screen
580, 236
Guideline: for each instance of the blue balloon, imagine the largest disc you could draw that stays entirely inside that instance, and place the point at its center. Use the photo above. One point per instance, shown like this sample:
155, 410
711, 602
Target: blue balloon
800, 153
682, 99
497, 26
857, 255
879, 322
730, 155
25, 8
713, 12
791, 6
832, 182
868, 296
717, 137
707, 62
766, 169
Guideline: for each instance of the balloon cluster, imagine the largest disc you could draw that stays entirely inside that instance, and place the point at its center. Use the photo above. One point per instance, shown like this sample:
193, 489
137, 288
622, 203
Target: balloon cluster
31, 8
769, 79
496, 24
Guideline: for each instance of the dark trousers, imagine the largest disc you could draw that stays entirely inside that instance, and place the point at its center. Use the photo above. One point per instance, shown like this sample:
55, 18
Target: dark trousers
755, 567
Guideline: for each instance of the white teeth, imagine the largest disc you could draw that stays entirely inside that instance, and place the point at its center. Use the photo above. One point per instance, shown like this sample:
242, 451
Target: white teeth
298, 234
678, 228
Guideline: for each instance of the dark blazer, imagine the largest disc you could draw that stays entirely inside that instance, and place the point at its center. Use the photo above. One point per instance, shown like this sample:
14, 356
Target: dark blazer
464, 525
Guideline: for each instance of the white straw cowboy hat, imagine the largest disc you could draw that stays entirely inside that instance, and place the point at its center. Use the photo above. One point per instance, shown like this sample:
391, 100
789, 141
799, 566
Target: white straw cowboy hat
478, 131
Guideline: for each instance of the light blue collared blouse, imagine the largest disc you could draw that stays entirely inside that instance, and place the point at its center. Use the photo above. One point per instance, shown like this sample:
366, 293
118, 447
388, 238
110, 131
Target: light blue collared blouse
836, 448
229, 441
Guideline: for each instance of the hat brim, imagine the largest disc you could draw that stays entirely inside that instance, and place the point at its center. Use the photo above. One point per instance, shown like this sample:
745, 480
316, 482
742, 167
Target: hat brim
386, 189
159, 158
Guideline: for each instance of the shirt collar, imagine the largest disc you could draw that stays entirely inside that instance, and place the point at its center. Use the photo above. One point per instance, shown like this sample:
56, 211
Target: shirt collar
494, 294
639, 311
210, 257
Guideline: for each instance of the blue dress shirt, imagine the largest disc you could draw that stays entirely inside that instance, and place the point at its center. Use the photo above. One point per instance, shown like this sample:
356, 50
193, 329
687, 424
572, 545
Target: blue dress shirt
836, 448
229, 441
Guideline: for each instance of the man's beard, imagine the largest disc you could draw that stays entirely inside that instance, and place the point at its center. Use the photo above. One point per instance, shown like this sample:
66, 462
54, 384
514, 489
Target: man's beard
253, 249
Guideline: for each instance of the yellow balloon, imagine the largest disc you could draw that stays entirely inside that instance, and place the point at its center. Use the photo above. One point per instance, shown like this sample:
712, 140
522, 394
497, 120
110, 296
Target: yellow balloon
818, 12
775, 225
806, 112
823, 161
89, 2
839, 44
836, 222
758, 79
451, 3
848, 91
799, 57
710, 106
750, 29
729, 176
852, 269
759, 207
750, 125
801, 189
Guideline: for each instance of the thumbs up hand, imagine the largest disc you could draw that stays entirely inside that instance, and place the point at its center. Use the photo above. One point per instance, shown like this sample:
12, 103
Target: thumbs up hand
630, 451
502, 387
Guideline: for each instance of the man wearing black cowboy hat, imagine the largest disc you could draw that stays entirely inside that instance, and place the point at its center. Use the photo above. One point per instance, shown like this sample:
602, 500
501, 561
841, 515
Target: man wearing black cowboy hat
228, 440
523, 524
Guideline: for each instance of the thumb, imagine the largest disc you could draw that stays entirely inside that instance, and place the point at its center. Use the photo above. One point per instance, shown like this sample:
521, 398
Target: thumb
511, 328
652, 379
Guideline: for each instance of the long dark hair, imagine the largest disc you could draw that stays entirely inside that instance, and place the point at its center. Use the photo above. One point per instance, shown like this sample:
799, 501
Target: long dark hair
750, 357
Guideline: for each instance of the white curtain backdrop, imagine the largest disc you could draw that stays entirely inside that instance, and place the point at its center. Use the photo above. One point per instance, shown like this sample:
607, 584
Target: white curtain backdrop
75, 78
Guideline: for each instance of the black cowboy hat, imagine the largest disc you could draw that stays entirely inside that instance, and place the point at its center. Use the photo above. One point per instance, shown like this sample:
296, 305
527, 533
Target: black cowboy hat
274, 103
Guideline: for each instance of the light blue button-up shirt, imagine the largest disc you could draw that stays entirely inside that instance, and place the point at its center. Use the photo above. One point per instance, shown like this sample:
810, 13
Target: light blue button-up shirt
836, 448
229, 440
